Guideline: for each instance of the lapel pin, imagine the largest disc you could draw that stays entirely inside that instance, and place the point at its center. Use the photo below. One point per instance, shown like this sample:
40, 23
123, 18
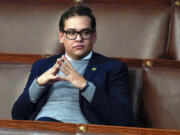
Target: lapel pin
94, 69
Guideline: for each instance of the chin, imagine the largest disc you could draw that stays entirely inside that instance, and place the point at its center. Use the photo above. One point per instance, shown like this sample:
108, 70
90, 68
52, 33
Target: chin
80, 55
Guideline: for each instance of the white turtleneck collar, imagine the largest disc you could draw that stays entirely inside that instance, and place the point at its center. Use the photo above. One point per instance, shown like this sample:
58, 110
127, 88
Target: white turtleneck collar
87, 57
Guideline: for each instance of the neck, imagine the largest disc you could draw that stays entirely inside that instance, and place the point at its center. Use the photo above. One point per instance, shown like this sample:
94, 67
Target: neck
86, 56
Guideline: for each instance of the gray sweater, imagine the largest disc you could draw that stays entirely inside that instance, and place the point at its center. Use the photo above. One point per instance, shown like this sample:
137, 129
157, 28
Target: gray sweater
63, 101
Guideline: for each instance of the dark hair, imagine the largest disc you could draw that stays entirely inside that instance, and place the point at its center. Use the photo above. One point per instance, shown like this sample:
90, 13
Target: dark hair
79, 10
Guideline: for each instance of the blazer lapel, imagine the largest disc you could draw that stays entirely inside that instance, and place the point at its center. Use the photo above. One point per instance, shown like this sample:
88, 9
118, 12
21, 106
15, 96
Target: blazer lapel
92, 68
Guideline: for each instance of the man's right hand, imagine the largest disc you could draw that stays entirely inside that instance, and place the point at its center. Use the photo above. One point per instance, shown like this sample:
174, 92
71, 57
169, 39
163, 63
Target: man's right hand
51, 75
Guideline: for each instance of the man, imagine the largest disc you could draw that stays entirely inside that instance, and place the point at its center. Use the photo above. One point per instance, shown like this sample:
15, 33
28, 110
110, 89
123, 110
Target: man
80, 86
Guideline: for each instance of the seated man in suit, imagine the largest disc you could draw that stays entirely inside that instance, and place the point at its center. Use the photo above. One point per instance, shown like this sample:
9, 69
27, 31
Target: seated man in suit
80, 86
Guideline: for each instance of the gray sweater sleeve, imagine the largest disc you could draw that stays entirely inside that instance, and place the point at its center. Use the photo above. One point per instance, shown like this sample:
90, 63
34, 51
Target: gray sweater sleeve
88, 93
35, 91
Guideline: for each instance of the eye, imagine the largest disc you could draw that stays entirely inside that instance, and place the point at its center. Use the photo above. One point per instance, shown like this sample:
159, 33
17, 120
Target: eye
71, 32
86, 32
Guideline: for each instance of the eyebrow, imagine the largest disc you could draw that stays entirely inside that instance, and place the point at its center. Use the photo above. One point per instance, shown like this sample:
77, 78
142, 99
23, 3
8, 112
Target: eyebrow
80, 30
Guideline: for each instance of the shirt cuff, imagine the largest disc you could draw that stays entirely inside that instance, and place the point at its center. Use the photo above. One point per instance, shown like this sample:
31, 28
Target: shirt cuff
89, 91
35, 91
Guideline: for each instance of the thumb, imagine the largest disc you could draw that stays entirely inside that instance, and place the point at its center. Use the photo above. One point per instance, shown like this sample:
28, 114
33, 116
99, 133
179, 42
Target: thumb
55, 69
60, 78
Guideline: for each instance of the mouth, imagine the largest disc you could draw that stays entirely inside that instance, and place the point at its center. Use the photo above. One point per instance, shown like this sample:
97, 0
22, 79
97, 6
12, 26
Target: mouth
78, 47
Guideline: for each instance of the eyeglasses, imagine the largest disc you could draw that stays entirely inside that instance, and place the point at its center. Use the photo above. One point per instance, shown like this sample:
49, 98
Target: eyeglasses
72, 34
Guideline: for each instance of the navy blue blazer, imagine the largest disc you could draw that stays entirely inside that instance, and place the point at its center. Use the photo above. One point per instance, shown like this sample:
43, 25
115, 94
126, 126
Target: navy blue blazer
110, 104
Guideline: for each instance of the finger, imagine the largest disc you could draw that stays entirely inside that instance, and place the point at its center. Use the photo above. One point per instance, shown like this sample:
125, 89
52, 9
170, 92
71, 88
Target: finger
64, 69
56, 78
55, 69
61, 78
67, 62
56, 66
60, 60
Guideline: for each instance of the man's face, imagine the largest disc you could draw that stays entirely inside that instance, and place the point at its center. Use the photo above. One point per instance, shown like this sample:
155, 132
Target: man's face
79, 47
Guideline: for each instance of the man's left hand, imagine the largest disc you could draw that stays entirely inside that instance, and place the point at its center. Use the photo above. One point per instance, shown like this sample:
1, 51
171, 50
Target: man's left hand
71, 74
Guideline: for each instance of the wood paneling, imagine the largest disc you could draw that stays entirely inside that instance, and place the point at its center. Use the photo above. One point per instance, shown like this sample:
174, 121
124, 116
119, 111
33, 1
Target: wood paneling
129, 2
154, 62
38, 1
74, 128
20, 58
31, 58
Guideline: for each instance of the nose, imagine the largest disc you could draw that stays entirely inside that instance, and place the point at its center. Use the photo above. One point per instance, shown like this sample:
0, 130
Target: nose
78, 38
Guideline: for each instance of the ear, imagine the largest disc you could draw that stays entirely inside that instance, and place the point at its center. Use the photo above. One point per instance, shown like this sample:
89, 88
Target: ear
94, 37
61, 38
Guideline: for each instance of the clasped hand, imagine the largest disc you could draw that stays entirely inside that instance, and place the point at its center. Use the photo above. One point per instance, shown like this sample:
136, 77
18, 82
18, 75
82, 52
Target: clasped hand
51, 76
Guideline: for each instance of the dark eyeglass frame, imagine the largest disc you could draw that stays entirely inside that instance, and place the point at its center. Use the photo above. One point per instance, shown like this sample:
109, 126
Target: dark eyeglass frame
78, 32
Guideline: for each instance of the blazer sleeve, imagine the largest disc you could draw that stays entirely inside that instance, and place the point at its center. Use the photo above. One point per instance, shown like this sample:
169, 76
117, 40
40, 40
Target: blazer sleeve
111, 101
23, 107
